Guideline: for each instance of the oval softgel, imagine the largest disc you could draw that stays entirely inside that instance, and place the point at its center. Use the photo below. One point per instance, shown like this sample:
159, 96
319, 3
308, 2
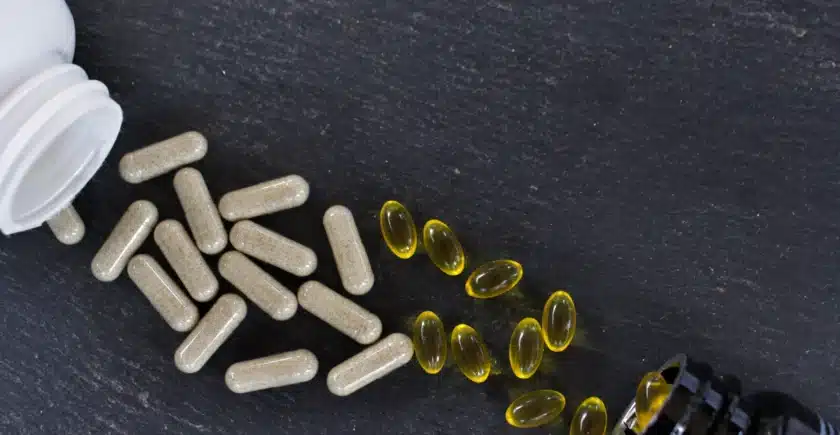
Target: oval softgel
559, 321
535, 409
526, 348
590, 418
443, 247
470, 353
494, 279
429, 339
398, 229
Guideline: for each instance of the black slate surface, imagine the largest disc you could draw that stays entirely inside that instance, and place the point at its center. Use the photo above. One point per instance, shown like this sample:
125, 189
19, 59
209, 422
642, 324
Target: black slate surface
673, 164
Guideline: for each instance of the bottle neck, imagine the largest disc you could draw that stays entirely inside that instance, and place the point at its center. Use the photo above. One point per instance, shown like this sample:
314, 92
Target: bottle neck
56, 128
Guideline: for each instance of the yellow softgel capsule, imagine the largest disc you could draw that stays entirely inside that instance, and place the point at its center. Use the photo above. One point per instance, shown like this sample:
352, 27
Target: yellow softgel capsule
443, 247
590, 418
559, 320
494, 278
470, 353
526, 348
429, 340
536, 408
398, 229
651, 395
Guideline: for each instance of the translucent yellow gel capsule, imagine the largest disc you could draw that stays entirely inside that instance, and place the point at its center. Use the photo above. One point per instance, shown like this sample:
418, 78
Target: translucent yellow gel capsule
526, 348
590, 418
536, 408
429, 340
398, 229
494, 278
651, 395
443, 247
470, 353
559, 320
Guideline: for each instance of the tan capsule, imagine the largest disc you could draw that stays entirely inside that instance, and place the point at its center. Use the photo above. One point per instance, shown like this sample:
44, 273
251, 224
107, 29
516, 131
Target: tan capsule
339, 312
202, 216
67, 226
272, 371
349, 251
258, 286
162, 157
266, 245
168, 299
128, 235
190, 266
211, 332
264, 198
389, 354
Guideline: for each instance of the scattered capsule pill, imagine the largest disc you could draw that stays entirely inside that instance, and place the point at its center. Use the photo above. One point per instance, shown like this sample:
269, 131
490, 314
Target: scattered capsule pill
339, 312
398, 229
559, 320
651, 395
128, 235
470, 353
443, 247
266, 245
258, 286
162, 157
264, 198
350, 255
168, 299
590, 418
211, 332
202, 216
536, 408
389, 354
494, 279
273, 371
67, 226
429, 339
526, 348
185, 259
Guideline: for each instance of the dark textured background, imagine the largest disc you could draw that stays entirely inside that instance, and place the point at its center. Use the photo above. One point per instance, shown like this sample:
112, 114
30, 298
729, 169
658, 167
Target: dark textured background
673, 164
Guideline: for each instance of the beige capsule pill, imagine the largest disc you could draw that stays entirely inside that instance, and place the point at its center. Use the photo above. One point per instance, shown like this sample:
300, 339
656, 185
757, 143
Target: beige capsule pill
162, 157
211, 332
190, 266
266, 245
67, 226
258, 286
389, 354
128, 235
339, 312
272, 371
264, 198
168, 299
202, 216
349, 251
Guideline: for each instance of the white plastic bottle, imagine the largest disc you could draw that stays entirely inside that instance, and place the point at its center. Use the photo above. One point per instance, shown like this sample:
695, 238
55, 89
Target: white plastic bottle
56, 125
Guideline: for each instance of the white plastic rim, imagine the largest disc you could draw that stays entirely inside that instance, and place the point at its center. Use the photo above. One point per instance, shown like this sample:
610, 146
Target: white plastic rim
64, 127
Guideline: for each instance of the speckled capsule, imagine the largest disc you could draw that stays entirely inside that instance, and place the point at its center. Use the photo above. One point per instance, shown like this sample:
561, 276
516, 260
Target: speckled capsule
185, 259
202, 216
67, 226
429, 339
266, 245
162, 157
211, 332
443, 247
339, 312
559, 320
349, 252
128, 235
169, 300
651, 395
590, 418
526, 348
264, 198
470, 353
398, 229
258, 286
371, 364
535, 409
494, 279
272, 371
